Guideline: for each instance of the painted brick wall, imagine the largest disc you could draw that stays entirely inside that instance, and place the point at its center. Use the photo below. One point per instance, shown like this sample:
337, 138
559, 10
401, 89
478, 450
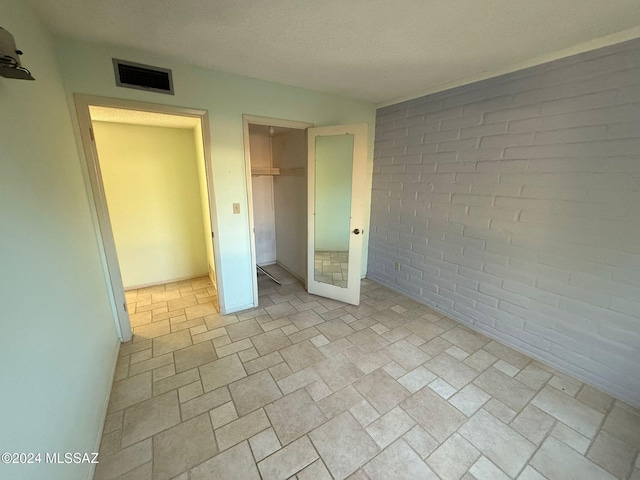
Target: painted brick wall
513, 205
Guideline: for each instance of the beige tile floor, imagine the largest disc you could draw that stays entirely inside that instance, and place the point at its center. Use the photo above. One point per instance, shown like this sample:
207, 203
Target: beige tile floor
331, 267
309, 388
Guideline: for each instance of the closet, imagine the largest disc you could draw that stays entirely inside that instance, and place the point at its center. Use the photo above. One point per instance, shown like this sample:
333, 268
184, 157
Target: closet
278, 158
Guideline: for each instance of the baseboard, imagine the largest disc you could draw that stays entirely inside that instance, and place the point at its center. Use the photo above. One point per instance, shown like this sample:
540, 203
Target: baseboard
289, 271
105, 407
570, 369
171, 280
212, 277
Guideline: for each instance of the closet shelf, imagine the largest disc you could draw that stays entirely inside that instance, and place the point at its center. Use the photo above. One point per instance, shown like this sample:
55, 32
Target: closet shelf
265, 171
291, 172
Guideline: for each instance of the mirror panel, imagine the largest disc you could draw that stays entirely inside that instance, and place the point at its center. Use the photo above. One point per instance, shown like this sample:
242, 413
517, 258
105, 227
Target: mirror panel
333, 174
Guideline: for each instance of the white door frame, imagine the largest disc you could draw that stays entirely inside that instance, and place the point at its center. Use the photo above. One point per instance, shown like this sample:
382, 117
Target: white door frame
105, 232
270, 122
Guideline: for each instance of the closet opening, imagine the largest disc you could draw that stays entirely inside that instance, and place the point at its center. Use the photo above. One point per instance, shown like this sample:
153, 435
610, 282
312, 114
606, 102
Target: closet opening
276, 155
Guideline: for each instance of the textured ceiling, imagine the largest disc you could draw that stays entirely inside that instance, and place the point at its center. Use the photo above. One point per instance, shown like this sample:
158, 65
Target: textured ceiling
136, 117
372, 50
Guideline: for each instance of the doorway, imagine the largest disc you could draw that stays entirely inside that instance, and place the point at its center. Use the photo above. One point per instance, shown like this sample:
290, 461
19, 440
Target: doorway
151, 181
276, 160
306, 212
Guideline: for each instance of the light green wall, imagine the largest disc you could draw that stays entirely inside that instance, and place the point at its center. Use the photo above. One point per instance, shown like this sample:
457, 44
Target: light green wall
88, 69
58, 340
334, 162
150, 178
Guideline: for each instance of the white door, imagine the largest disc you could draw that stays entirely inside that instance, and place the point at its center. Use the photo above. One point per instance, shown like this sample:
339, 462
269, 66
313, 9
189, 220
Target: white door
336, 182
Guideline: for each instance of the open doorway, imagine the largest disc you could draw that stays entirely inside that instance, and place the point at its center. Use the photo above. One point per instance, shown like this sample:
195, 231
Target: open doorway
306, 213
151, 184
276, 157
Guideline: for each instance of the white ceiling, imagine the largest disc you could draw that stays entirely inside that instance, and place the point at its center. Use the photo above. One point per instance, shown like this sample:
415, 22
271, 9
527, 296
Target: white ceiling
137, 117
372, 50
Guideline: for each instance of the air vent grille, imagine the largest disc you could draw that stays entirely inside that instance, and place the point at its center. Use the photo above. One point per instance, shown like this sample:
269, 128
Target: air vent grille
143, 77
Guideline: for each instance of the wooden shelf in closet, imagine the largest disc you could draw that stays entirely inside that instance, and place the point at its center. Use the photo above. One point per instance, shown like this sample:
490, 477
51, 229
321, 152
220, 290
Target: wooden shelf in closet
291, 172
265, 171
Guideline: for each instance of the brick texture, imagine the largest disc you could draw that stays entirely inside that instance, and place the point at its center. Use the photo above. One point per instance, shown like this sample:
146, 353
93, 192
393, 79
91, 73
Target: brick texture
513, 205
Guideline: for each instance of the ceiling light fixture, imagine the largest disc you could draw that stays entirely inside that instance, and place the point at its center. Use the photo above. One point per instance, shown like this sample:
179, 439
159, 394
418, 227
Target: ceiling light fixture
10, 66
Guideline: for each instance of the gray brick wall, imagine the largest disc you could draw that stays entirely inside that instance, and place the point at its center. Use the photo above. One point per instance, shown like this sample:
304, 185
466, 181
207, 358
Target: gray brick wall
513, 205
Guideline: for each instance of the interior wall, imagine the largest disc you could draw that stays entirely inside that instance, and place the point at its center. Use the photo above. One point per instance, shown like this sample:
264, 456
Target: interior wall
290, 197
87, 68
150, 177
204, 203
334, 164
513, 205
264, 221
58, 342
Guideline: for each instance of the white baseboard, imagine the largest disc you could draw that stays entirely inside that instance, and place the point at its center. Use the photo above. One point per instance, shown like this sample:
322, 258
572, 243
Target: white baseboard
289, 271
596, 382
212, 277
171, 280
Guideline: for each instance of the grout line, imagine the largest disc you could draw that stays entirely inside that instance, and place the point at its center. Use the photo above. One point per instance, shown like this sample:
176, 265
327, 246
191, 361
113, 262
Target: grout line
376, 306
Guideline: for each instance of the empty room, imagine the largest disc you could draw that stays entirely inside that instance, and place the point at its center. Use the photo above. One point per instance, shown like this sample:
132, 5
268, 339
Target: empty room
320, 240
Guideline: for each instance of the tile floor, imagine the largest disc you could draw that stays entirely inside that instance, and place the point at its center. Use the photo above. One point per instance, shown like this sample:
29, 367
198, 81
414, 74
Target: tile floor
309, 388
331, 267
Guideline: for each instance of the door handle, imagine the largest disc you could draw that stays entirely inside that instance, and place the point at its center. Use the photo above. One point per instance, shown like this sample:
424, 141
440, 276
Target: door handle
357, 231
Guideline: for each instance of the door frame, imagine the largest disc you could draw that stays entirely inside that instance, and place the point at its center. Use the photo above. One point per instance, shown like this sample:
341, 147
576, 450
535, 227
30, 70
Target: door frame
97, 198
269, 122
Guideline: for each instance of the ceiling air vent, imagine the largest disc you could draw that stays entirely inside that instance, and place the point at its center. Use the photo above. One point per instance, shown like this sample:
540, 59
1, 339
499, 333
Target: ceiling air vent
143, 77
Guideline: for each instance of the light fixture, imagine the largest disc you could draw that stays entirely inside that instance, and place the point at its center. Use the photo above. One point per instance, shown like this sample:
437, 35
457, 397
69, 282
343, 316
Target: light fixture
10, 66
272, 131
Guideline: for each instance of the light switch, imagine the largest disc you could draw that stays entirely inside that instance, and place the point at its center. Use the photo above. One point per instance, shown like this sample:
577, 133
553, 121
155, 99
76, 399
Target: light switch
236, 208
